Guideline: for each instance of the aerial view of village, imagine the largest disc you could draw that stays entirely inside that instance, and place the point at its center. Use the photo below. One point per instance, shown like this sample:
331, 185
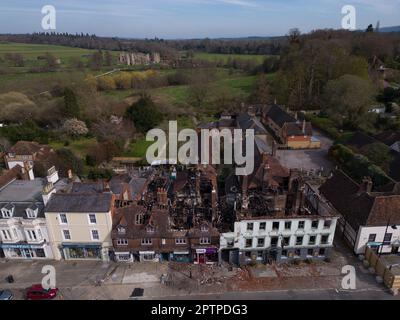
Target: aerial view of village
208, 150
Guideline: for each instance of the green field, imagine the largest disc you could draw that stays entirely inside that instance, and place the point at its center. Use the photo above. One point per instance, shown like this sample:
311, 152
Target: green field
224, 57
79, 147
32, 51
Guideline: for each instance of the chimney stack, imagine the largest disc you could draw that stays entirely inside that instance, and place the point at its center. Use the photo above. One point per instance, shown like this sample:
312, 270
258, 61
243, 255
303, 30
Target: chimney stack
366, 185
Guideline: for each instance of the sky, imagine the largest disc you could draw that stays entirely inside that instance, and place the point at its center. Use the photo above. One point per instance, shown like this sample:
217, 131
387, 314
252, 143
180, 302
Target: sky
176, 19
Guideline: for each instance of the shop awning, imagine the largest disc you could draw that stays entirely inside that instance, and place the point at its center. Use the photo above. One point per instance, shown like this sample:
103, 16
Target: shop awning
181, 252
21, 246
81, 245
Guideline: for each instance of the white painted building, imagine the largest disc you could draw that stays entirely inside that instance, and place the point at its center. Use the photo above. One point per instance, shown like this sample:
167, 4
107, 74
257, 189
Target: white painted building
282, 238
367, 218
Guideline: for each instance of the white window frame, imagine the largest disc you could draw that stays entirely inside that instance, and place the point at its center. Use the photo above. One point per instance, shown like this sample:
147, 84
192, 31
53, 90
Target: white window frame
6, 234
63, 234
92, 237
122, 242
180, 241
61, 221
90, 221
147, 242
205, 240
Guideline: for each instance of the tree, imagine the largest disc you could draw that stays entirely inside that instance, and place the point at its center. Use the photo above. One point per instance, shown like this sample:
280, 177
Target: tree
16, 59
347, 99
51, 60
106, 83
16, 107
71, 107
66, 160
144, 114
261, 91
370, 28
199, 93
96, 60
108, 58
100, 174
75, 128
378, 153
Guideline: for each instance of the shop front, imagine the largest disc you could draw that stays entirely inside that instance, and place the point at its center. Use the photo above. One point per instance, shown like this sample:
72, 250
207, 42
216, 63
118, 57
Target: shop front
26, 251
123, 256
205, 256
180, 256
149, 256
82, 251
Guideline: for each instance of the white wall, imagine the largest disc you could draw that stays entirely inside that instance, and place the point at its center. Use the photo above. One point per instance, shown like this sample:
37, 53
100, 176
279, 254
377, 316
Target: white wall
364, 233
241, 233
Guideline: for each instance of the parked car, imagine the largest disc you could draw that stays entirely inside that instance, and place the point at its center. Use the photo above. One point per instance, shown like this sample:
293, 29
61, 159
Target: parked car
37, 292
6, 295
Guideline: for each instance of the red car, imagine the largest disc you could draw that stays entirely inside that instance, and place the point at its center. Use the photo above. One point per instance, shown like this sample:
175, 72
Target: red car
37, 292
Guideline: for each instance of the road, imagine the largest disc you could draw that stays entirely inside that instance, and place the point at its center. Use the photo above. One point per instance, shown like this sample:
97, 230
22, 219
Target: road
324, 294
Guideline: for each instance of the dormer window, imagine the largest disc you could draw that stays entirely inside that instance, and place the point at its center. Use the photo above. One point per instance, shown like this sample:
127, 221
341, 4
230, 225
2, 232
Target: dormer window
139, 219
121, 230
150, 228
32, 212
8, 211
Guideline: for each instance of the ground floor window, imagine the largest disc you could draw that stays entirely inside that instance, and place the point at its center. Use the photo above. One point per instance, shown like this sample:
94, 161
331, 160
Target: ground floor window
82, 253
148, 257
40, 253
124, 257
322, 252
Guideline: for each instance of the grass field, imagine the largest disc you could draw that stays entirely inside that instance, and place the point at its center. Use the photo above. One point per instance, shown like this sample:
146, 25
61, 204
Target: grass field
225, 57
78, 147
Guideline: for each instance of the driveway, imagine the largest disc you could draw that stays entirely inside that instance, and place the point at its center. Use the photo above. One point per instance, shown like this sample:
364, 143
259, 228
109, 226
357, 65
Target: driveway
308, 159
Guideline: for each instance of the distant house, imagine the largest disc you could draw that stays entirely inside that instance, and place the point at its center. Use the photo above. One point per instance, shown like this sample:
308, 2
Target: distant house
29, 153
391, 139
289, 131
368, 218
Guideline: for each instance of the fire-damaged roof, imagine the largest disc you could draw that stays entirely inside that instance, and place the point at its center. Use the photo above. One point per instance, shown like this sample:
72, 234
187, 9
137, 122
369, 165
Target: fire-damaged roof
360, 207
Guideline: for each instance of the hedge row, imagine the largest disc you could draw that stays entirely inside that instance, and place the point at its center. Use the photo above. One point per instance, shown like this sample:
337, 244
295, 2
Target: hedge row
357, 165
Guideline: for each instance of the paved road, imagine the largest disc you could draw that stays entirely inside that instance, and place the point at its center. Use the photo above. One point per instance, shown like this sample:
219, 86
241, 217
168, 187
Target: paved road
295, 295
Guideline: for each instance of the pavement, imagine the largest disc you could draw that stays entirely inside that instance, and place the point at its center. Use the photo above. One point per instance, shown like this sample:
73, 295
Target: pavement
91, 280
310, 159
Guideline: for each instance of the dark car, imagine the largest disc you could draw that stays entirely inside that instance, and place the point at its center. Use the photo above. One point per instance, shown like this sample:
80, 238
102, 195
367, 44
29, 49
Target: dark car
37, 292
6, 295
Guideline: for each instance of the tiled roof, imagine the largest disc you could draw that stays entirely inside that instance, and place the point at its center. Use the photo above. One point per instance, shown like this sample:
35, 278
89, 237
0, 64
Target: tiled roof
360, 208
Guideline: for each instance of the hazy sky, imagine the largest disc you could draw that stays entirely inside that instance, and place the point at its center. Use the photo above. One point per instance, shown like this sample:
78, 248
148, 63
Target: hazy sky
192, 18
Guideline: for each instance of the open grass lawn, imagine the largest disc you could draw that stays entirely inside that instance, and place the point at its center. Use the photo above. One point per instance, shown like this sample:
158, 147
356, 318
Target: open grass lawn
79, 147
138, 148
32, 51
225, 57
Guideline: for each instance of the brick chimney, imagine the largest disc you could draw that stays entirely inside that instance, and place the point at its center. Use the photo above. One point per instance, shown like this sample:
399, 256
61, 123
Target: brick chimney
366, 185
162, 198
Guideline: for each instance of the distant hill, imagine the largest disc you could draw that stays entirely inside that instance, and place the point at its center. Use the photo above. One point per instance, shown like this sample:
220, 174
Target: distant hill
390, 29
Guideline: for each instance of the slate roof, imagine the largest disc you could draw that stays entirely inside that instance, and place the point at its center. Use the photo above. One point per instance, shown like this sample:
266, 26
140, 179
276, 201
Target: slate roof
360, 208
87, 187
360, 140
20, 208
296, 129
389, 137
80, 202
244, 122
278, 115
